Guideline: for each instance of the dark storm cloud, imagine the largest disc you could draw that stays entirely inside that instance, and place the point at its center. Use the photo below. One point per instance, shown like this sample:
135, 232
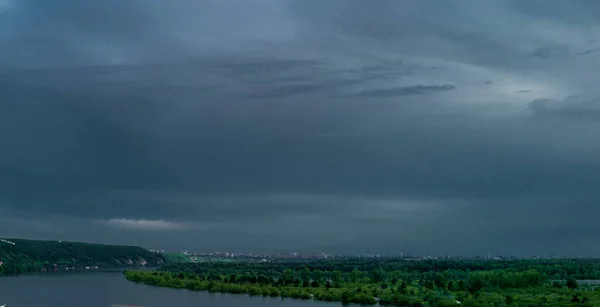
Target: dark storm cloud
573, 108
69, 32
271, 122
583, 12
418, 89
548, 52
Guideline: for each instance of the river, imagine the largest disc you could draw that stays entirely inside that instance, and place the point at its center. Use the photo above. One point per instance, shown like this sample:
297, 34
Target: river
105, 289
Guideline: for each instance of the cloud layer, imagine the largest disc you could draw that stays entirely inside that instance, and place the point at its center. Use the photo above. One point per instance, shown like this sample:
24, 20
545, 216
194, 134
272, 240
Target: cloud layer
412, 126
129, 224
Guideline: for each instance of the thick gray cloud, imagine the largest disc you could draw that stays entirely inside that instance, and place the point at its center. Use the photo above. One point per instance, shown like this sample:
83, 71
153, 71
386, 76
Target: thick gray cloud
402, 126
418, 89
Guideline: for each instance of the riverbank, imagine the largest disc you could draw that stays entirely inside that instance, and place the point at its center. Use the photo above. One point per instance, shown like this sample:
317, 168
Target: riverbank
196, 283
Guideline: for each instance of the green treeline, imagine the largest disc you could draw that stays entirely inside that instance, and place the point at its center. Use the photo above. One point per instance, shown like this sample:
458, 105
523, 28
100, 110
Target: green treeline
554, 269
394, 282
34, 256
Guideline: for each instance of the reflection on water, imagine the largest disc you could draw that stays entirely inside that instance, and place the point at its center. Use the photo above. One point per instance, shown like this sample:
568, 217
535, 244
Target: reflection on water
94, 289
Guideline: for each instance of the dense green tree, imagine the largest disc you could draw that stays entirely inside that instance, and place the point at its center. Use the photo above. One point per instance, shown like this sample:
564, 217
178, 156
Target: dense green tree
402, 289
572, 283
305, 275
509, 299
336, 276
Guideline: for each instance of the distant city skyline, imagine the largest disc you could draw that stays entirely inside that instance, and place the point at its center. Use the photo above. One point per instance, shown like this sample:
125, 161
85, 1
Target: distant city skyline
320, 255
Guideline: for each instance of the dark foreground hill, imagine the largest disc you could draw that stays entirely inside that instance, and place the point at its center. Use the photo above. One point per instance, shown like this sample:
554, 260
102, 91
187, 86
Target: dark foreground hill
20, 255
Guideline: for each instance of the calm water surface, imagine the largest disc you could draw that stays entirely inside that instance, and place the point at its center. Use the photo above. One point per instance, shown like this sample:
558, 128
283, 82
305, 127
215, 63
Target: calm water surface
105, 289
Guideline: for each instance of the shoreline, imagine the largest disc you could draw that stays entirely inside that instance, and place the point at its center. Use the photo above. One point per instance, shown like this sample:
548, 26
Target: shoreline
120, 270
283, 293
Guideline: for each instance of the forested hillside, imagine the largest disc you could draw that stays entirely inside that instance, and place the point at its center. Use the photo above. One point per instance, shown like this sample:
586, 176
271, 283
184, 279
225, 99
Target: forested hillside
20, 255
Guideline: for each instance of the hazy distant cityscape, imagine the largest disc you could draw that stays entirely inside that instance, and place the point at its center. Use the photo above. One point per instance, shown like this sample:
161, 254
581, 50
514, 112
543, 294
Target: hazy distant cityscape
316, 256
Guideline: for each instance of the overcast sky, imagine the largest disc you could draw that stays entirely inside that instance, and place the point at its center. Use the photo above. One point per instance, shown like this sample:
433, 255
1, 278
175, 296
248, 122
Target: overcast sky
425, 126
